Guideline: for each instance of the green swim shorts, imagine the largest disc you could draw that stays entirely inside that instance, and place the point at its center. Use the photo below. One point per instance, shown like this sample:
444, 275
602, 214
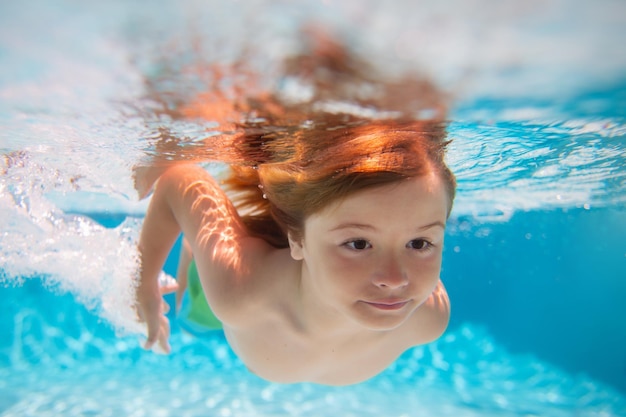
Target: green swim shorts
196, 314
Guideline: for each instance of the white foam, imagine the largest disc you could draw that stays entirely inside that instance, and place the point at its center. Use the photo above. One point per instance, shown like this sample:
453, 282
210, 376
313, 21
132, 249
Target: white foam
73, 254
70, 253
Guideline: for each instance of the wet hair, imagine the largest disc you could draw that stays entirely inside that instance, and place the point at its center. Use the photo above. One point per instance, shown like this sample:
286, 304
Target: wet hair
331, 127
303, 173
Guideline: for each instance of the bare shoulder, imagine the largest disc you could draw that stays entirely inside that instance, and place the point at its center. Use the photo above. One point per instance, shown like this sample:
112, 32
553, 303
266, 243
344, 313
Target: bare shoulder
237, 270
431, 319
258, 290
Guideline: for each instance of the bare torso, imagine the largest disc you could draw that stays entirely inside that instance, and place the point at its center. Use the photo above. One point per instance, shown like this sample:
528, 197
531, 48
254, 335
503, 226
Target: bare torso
276, 342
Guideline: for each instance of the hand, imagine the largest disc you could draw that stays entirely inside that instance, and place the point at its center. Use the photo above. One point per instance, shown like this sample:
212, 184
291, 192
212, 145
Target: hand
152, 308
145, 177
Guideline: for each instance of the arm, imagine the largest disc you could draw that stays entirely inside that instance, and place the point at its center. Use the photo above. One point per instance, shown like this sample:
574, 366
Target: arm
186, 198
159, 232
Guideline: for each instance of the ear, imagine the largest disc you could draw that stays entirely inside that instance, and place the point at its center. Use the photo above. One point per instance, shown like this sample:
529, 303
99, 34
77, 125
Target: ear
295, 245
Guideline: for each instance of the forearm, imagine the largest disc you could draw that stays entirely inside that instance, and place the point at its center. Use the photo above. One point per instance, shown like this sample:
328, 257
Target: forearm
158, 234
167, 212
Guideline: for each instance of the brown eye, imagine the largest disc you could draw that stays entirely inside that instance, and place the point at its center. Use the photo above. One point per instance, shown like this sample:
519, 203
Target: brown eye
358, 244
419, 244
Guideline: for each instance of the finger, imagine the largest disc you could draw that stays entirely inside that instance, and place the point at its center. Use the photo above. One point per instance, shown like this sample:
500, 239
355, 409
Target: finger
168, 288
162, 346
153, 323
151, 340
165, 335
165, 307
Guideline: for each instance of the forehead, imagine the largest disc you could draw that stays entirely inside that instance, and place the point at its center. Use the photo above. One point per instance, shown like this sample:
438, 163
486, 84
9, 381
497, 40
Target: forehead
422, 197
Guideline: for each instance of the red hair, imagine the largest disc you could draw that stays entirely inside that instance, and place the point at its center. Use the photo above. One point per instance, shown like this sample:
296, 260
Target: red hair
297, 175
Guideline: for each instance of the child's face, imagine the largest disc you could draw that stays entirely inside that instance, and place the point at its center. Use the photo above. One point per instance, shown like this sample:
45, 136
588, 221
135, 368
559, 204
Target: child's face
375, 256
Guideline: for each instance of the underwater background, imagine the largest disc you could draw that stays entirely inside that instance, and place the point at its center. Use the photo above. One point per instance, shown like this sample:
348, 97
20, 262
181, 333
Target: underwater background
535, 254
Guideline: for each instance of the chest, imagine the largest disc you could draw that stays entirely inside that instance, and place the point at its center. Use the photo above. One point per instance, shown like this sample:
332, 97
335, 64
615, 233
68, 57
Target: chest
282, 356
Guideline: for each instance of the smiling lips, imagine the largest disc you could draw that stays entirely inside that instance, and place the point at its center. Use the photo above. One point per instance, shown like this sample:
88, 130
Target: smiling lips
388, 304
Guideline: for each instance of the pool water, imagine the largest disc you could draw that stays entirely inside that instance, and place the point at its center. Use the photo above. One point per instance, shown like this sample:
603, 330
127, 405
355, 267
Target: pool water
535, 255
519, 344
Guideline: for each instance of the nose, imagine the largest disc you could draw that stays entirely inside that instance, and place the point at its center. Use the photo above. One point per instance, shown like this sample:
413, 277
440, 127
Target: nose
390, 275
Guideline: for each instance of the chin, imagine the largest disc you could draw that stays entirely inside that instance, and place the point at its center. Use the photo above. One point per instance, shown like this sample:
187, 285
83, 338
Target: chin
381, 324
379, 320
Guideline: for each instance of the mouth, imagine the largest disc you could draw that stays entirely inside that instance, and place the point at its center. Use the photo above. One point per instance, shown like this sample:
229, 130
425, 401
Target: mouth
388, 305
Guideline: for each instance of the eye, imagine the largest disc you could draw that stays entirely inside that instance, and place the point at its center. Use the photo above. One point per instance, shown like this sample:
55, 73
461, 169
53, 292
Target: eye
419, 244
358, 244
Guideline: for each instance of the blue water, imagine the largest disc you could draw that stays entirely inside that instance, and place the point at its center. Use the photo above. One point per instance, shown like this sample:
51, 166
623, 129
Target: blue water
535, 255
537, 329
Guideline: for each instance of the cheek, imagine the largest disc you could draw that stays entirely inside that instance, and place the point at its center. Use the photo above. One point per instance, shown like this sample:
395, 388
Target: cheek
338, 265
430, 265
345, 272
426, 273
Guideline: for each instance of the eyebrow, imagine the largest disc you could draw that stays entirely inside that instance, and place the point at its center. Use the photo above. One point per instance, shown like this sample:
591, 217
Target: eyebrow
363, 226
